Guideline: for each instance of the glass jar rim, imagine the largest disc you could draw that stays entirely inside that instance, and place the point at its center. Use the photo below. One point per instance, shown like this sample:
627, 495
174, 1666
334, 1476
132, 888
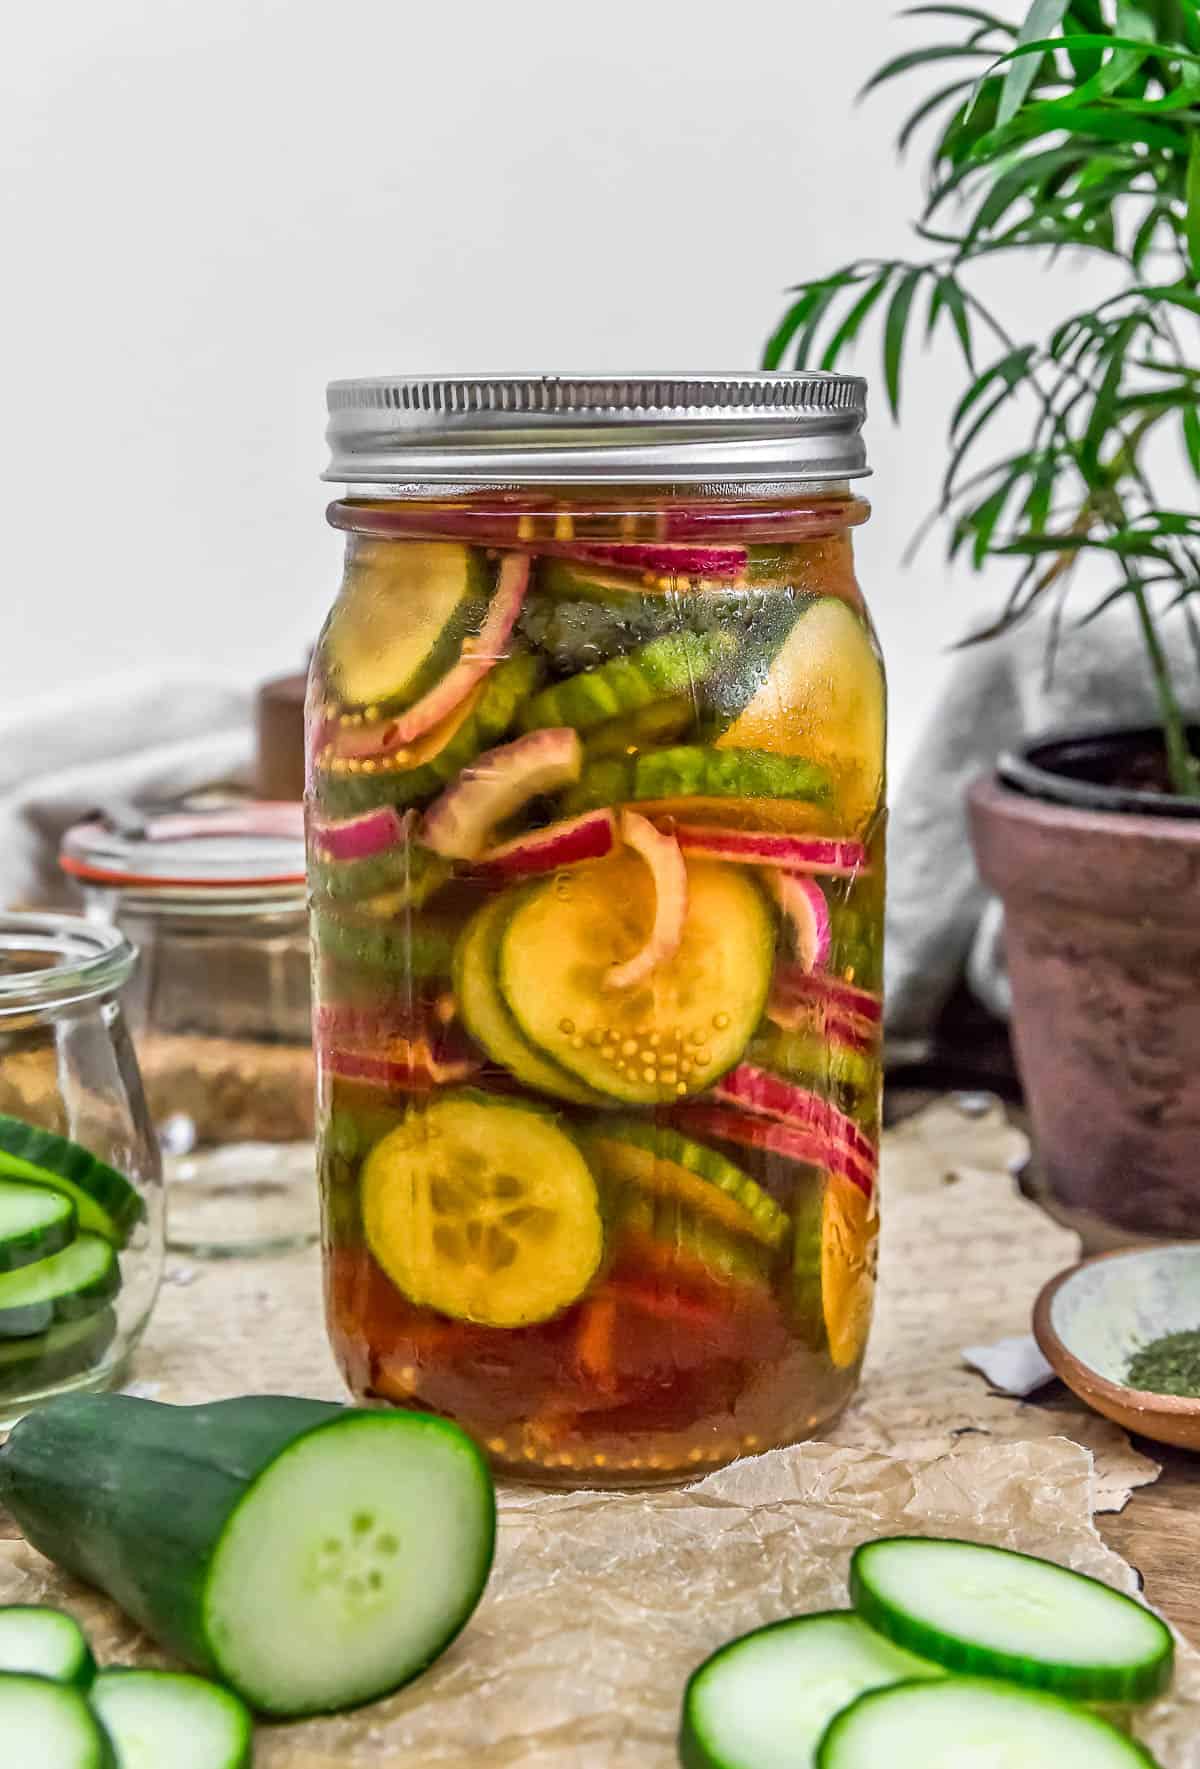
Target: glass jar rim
89, 959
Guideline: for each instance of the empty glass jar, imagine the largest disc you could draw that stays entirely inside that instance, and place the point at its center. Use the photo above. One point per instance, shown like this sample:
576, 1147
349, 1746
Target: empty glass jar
214, 900
81, 1219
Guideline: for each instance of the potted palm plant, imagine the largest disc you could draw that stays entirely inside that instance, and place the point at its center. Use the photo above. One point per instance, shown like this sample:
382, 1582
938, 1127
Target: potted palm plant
1075, 129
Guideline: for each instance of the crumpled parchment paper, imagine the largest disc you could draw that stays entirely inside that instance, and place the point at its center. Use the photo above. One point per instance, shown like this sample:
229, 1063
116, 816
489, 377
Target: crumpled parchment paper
601, 1604
963, 1256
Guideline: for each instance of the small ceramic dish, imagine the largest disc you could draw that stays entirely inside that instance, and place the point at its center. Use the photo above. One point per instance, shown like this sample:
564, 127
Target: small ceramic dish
1090, 1319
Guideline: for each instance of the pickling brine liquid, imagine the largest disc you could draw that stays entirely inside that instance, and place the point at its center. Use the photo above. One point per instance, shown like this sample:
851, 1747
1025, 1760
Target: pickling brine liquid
595, 825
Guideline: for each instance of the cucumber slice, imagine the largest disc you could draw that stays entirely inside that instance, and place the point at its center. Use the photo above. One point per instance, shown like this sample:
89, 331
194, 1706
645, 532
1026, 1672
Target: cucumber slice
171, 1720
997, 1613
656, 1159
484, 1210
409, 873
32, 1363
45, 1725
667, 1037
961, 1721
677, 1241
313, 1557
47, 1643
487, 1018
402, 618
690, 771
105, 1202
578, 621
763, 1701
824, 698
76, 1282
816, 1060
34, 1222
834, 1259
665, 722
421, 770
408, 946
676, 664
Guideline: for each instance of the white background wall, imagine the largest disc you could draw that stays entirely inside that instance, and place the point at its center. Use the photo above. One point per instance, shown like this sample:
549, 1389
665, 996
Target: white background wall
207, 210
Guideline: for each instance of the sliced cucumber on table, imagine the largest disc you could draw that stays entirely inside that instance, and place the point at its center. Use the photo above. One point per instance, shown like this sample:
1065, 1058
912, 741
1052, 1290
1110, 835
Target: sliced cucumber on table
45, 1725
104, 1200
34, 1222
171, 1720
45, 1642
961, 1721
67, 1286
311, 1556
995, 1613
764, 1700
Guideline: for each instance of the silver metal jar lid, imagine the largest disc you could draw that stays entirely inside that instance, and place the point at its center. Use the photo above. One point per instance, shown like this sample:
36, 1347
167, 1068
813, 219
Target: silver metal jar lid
772, 427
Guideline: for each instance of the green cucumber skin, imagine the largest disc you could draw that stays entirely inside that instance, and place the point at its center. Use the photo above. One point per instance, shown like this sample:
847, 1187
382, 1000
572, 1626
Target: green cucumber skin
1110, 1684
667, 1144
108, 1206
675, 664
412, 873
505, 690
827, 1756
409, 948
134, 1497
694, 771
128, 1496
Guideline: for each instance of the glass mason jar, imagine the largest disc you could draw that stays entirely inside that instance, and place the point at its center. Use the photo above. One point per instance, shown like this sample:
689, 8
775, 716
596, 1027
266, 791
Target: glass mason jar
595, 826
80, 1192
220, 1009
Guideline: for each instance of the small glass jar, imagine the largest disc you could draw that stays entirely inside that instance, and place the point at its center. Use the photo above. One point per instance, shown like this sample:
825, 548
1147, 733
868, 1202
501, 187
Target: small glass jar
595, 824
81, 1220
214, 900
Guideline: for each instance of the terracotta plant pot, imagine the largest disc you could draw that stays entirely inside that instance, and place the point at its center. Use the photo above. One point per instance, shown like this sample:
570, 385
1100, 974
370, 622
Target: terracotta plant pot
1102, 943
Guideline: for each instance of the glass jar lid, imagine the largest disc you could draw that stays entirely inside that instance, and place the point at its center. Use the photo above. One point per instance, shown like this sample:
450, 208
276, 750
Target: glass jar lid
252, 850
771, 427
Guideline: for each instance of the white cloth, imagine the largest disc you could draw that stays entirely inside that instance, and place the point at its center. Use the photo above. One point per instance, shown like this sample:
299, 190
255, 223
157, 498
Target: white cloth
941, 923
126, 740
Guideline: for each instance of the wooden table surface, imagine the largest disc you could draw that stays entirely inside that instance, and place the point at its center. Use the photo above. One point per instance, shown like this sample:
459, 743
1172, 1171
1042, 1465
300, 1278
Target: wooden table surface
1159, 1533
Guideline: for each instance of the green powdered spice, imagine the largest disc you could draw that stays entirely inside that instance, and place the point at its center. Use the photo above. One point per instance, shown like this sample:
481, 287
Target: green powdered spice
1170, 1365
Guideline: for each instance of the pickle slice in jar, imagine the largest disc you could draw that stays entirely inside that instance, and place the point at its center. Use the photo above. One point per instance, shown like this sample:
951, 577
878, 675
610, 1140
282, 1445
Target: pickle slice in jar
675, 1031
823, 698
407, 608
837, 1232
654, 1159
483, 1209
